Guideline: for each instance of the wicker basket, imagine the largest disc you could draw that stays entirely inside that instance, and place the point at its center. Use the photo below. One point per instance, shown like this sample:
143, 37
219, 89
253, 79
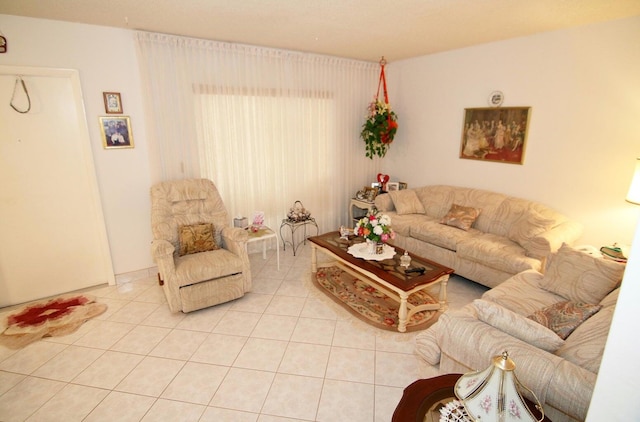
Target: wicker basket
298, 212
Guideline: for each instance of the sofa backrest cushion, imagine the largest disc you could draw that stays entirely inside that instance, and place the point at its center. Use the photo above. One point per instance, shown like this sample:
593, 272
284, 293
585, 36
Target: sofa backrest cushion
580, 277
406, 201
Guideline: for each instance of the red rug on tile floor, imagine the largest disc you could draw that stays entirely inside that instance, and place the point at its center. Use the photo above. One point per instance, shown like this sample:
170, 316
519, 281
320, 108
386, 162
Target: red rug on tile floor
45, 318
370, 304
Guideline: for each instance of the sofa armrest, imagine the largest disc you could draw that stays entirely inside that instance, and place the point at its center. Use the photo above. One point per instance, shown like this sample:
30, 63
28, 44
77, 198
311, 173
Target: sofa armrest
550, 241
384, 203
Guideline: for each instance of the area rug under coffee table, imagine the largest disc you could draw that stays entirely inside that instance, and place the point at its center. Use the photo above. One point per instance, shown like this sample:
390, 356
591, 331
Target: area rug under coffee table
45, 318
370, 304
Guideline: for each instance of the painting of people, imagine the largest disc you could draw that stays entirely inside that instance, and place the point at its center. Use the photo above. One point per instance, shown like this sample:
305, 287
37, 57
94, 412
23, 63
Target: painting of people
495, 134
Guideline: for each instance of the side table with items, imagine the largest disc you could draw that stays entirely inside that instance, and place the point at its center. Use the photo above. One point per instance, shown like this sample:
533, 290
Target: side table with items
361, 205
293, 226
263, 234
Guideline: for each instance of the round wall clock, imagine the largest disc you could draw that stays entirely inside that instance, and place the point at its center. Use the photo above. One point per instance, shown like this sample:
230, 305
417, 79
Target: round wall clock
496, 98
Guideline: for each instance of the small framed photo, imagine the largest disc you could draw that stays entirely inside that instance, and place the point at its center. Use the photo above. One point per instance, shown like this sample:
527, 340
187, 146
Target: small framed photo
116, 132
112, 102
391, 186
371, 193
402, 185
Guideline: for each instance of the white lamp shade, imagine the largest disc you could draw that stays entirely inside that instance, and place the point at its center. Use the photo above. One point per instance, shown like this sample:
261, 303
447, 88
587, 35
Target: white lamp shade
633, 195
492, 394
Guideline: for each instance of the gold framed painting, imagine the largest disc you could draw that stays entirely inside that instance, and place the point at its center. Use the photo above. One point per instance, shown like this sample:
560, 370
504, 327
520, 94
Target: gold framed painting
495, 134
116, 132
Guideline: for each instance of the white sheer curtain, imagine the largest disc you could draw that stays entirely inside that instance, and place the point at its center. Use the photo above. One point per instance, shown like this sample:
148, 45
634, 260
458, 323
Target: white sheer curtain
268, 126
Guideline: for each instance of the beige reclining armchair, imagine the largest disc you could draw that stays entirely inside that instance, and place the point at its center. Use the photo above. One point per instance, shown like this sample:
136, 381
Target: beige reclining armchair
202, 260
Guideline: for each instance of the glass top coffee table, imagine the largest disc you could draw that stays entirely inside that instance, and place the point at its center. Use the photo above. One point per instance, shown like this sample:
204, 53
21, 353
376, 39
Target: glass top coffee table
387, 275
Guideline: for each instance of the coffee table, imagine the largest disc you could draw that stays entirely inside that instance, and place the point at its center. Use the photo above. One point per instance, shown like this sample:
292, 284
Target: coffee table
386, 275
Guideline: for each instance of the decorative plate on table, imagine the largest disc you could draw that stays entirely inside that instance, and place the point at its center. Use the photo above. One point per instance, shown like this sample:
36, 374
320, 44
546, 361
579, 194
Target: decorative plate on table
359, 250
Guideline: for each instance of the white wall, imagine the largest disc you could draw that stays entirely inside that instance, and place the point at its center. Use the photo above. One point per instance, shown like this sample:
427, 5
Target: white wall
583, 86
106, 61
617, 392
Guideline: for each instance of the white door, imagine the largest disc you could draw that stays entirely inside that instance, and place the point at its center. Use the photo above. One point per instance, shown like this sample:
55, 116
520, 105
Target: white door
52, 233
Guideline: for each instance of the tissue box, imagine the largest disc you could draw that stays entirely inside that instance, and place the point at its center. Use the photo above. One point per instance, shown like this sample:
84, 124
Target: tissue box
241, 222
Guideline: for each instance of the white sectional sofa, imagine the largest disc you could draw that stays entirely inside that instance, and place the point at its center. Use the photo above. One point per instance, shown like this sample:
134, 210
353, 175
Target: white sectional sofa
507, 236
554, 327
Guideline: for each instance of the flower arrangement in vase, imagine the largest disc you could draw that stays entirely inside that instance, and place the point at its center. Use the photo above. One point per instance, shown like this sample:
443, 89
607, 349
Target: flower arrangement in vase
375, 227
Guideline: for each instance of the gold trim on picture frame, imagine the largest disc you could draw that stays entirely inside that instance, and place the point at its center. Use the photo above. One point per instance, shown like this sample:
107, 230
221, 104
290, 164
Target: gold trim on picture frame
112, 102
495, 134
116, 132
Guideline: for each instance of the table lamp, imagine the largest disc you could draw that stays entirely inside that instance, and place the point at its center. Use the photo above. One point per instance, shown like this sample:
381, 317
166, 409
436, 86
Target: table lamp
492, 394
633, 195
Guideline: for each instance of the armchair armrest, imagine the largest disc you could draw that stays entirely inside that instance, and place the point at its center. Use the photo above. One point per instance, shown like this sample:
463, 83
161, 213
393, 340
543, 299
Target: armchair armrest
161, 248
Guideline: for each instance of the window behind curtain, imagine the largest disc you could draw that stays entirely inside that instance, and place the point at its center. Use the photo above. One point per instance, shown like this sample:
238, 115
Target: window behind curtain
269, 149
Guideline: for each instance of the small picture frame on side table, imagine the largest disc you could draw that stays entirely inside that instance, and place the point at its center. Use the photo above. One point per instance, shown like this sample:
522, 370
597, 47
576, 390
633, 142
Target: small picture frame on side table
371, 193
402, 185
391, 186
112, 102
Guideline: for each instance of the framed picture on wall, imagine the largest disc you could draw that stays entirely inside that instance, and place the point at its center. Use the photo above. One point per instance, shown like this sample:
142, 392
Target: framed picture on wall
495, 134
112, 102
116, 132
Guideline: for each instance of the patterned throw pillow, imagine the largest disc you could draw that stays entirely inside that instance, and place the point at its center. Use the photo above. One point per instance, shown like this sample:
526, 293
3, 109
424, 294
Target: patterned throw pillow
564, 317
406, 202
196, 238
460, 217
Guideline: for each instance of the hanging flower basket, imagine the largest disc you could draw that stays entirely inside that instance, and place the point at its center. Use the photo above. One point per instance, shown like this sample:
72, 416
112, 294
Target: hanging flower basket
381, 125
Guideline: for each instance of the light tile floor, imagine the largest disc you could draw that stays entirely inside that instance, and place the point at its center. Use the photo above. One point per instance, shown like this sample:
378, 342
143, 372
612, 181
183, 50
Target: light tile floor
283, 352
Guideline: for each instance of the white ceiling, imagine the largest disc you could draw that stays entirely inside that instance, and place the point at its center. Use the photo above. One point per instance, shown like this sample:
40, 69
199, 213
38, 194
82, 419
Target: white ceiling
359, 29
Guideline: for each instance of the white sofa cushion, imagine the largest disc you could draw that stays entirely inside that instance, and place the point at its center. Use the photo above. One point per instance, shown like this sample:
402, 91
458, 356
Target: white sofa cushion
580, 277
496, 252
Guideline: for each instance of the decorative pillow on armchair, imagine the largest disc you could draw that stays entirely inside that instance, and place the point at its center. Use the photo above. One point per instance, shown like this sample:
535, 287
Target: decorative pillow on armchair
406, 202
517, 325
196, 238
460, 217
580, 277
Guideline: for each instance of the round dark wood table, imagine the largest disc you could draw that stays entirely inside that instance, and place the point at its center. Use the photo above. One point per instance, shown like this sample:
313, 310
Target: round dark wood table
423, 399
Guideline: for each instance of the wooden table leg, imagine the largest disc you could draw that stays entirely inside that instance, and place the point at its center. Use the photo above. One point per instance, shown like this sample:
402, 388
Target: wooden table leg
402, 312
314, 260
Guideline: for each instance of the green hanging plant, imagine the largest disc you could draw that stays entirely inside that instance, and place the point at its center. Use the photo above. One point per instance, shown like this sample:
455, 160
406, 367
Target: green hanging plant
379, 129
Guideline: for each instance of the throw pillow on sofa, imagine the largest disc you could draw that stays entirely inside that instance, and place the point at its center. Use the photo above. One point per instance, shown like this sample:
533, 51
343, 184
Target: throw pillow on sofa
460, 217
517, 325
564, 317
406, 202
580, 277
